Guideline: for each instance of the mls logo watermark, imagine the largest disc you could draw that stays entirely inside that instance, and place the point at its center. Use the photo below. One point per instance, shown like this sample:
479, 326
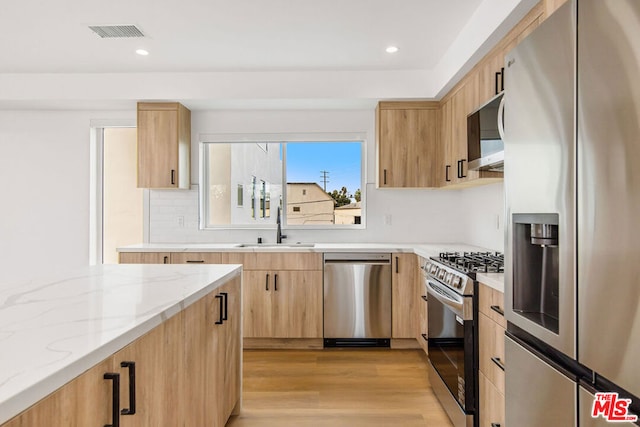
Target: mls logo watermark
612, 408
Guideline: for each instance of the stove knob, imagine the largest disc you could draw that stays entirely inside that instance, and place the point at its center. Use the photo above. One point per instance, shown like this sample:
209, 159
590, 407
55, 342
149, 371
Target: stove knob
457, 282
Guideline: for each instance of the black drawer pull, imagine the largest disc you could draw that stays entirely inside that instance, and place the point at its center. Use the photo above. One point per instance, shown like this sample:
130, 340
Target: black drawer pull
131, 410
397, 263
385, 177
115, 402
498, 362
165, 260
424, 337
424, 297
446, 171
275, 282
497, 309
267, 285
495, 425
173, 177
195, 261
221, 312
226, 305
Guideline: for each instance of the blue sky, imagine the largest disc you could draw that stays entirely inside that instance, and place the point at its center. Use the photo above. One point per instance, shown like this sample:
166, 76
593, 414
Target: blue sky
342, 161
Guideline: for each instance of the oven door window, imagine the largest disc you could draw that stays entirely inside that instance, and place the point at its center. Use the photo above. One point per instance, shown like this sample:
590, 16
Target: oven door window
447, 342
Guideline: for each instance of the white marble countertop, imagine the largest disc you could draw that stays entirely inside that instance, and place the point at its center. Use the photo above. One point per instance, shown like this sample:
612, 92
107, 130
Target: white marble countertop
54, 329
425, 250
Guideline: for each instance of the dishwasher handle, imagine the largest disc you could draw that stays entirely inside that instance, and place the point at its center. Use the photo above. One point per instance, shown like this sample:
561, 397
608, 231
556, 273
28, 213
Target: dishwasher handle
358, 261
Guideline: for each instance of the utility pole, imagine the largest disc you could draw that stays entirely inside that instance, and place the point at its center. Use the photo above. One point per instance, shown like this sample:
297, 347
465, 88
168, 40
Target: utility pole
325, 179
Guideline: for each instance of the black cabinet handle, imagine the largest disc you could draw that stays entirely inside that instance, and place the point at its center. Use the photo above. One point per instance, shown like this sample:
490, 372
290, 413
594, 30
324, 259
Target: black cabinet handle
115, 395
397, 262
495, 425
498, 362
496, 82
221, 320
497, 309
501, 79
275, 281
195, 261
446, 173
173, 176
165, 260
226, 305
424, 297
267, 285
132, 388
384, 173
461, 168
424, 337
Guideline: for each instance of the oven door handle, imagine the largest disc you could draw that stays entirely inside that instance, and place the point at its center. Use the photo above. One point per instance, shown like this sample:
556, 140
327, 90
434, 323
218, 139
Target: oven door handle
442, 295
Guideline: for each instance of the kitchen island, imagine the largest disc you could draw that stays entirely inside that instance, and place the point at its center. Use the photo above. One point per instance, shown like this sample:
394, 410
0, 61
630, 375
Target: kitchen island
179, 324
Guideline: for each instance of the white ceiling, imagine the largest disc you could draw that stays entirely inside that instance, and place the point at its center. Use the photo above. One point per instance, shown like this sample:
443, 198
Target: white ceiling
44, 44
199, 35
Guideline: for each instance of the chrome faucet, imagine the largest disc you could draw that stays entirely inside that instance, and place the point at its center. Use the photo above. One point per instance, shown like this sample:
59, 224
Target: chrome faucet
279, 235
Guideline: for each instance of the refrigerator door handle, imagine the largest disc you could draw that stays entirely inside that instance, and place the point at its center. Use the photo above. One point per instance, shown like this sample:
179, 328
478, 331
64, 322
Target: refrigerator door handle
501, 118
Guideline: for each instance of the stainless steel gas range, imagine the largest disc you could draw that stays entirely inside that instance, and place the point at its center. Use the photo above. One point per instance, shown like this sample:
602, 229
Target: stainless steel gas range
451, 287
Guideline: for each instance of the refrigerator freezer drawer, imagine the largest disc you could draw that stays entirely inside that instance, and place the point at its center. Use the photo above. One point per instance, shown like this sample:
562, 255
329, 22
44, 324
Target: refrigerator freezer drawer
536, 394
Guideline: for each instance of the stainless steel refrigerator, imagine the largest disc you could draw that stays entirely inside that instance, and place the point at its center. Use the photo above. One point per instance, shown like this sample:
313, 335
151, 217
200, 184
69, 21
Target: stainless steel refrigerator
572, 193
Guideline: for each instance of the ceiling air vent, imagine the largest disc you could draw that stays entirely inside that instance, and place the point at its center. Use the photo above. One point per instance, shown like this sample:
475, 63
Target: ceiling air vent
116, 31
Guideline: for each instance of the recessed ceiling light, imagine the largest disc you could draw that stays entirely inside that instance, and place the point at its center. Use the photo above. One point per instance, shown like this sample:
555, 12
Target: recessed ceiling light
142, 52
392, 49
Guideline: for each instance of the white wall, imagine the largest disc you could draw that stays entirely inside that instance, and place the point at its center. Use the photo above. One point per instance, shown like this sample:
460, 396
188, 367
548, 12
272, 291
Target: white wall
416, 215
44, 170
484, 224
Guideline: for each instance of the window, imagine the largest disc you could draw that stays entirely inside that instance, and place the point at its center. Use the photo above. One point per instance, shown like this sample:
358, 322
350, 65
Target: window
326, 178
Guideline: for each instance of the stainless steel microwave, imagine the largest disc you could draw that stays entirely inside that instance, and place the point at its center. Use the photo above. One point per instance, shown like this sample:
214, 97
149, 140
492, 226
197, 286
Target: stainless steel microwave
485, 148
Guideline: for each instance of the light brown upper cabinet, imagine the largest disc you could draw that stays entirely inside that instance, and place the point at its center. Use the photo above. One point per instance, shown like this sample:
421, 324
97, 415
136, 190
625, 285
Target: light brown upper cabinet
408, 144
454, 170
164, 145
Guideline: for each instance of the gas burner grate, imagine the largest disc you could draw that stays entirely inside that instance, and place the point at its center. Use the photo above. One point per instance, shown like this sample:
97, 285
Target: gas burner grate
474, 262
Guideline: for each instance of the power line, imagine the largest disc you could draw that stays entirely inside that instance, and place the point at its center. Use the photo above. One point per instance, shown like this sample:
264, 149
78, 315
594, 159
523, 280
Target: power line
325, 179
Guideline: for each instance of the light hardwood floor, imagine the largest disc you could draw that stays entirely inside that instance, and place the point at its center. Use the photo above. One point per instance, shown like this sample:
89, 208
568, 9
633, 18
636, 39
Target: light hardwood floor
337, 387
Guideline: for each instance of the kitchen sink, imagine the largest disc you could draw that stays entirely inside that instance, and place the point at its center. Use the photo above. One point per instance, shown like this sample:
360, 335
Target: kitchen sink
275, 245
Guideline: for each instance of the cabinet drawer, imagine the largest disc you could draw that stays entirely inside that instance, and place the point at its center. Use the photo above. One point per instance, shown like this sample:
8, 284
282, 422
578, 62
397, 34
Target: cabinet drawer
196, 258
144, 257
491, 404
491, 346
282, 261
488, 298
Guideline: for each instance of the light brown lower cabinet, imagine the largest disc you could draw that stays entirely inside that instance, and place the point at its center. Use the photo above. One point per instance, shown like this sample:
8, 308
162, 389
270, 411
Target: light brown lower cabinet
186, 370
282, 304
405, 279
491, 356
491, 404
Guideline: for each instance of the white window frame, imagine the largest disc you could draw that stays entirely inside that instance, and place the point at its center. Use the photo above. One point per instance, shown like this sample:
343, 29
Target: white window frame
281, 138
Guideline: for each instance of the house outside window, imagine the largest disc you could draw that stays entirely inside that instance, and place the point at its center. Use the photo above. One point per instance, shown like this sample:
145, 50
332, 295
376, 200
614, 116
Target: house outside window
288, 172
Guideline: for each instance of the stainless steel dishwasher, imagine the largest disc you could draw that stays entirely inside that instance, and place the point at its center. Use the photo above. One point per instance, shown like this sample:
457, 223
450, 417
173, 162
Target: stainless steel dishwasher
357, 300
